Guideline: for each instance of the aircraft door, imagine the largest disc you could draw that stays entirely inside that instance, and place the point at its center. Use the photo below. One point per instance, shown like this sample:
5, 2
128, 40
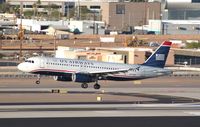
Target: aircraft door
41, 63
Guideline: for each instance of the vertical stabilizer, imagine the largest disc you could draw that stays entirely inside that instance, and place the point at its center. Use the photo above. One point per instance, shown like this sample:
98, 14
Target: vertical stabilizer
159, 57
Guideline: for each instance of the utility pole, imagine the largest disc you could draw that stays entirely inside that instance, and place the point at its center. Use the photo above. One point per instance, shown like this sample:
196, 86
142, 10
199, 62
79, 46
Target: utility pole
145, 16
94, 23
78, 10
1, 43
55, 34
21, 32
21, 39
68, 13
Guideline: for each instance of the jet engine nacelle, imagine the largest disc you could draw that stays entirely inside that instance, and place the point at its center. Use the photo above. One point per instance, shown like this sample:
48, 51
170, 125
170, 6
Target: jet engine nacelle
83, 78
62, 78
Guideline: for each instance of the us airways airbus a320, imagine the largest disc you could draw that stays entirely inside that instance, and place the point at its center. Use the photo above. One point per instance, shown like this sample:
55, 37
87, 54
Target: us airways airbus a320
86, 71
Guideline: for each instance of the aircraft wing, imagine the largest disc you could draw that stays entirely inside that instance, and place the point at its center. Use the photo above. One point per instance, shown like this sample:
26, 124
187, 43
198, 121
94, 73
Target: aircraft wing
114, 71
111, 71
104, 72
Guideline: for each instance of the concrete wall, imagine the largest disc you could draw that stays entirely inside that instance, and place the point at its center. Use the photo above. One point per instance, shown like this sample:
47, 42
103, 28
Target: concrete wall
139, 57
181, 29
118, 58
170, 58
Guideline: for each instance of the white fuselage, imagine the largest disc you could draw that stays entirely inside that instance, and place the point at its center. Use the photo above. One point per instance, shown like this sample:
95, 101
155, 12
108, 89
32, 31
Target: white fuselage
60, 66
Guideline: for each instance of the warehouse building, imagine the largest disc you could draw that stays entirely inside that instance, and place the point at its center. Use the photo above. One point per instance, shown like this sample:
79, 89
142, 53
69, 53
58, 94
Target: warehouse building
180, 9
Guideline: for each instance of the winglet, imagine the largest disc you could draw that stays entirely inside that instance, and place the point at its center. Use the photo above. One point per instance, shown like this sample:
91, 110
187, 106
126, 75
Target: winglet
159, 57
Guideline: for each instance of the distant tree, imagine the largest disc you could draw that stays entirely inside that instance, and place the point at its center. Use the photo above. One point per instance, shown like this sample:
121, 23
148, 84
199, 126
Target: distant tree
54, 6
84, 9
28, 14
71, 12
1, 55
53, 12
84, 12
5, 7
16, 9
193, 45
55, 15
34, 9
38, 2
138, 0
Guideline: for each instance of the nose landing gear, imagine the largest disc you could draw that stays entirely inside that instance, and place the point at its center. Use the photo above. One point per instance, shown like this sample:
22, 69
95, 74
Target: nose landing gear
38, 79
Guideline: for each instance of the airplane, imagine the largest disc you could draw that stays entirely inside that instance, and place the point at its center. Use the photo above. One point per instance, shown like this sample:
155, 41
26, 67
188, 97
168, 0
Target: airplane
87, 71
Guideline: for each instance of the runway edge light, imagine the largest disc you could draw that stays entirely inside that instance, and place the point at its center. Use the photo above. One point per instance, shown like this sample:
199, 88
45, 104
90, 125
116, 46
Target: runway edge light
137, 82
99, 98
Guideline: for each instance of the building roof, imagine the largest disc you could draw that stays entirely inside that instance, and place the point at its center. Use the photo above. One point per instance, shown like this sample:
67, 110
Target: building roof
181, 21
187, 52
59, 27
125, 49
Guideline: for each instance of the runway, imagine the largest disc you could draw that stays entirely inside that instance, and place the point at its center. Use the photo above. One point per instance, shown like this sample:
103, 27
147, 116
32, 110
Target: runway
98, 110
160, 82
173, 101
176, 121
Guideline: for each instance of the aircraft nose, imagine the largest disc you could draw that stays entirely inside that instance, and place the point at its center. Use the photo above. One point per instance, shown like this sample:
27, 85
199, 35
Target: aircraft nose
20, 67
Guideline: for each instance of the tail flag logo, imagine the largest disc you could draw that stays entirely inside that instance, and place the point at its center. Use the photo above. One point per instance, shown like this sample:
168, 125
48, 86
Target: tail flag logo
160, 57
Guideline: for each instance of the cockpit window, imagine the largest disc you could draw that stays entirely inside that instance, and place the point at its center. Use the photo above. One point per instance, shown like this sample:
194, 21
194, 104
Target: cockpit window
29, 61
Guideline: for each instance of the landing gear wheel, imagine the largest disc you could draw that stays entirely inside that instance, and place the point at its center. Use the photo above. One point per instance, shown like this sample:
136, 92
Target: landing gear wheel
38, 79
37, 82
84, 85
97, 86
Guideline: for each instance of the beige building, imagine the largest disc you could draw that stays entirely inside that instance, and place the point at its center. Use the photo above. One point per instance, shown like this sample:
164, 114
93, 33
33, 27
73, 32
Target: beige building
120, 15
118, 55
129, 55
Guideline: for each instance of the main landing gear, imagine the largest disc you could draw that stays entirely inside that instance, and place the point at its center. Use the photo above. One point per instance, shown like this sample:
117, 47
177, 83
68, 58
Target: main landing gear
84, 85
38, 79
96, 85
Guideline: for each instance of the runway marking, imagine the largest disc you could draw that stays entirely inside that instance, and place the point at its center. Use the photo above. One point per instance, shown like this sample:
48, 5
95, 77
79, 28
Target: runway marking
193, 113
